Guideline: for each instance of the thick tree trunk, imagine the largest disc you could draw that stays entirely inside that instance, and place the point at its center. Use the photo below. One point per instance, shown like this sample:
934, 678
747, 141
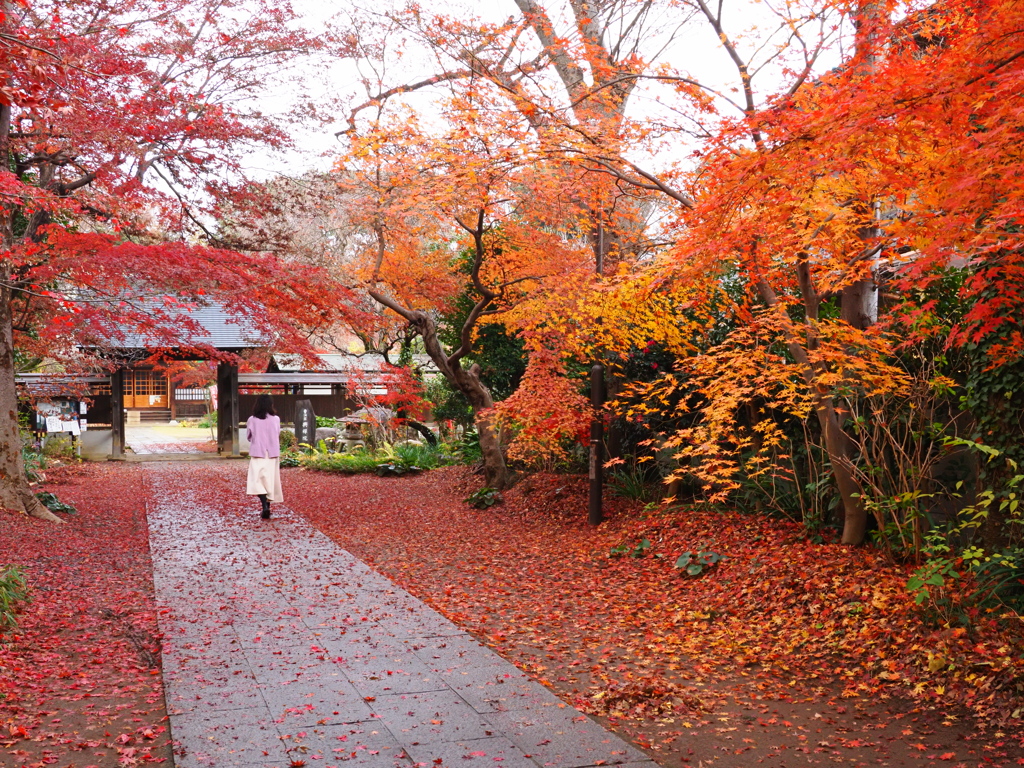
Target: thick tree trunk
469, 384
15, 492
14, 489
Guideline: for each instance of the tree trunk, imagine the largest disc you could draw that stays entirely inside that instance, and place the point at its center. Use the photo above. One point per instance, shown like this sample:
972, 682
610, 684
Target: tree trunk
469, 384
14, 489
859, 300
465, 381
837, 445
15, 492
423, 429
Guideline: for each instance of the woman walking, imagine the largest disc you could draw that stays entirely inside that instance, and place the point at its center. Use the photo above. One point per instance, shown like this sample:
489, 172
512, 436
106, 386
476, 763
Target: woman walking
263, 429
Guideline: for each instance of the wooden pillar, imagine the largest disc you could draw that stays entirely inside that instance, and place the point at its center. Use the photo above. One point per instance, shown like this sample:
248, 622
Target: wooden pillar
117, 414
227, 409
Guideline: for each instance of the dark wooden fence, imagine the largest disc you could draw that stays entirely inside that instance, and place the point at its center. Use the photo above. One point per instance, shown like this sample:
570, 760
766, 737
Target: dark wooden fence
333, 406
189, 402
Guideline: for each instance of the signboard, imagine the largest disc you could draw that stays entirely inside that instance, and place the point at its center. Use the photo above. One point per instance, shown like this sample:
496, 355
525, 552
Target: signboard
60, 416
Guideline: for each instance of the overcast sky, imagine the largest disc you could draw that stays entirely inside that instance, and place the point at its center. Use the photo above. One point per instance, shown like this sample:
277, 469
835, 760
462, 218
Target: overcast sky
696, 49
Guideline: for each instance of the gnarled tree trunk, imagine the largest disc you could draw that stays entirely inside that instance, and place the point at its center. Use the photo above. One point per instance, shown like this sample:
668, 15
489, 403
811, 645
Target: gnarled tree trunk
467, 381
14, 489
15, 492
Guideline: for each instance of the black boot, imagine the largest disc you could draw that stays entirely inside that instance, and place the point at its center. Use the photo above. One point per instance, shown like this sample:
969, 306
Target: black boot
265, 503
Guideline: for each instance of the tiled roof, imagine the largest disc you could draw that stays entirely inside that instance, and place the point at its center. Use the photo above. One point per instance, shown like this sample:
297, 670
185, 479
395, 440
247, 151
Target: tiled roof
367, 362
220, 330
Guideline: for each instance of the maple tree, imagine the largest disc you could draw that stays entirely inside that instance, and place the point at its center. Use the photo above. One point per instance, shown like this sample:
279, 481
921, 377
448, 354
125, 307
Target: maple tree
492, 79
803, 210
799, 209
471, 196
122, 129
594, 56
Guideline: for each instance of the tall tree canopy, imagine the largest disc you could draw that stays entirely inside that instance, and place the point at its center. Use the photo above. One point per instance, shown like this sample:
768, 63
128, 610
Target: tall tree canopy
863, 148
123, 127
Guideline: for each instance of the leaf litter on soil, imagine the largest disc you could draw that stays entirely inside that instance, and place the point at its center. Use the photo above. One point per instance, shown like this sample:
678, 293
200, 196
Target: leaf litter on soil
785, 652
79, 679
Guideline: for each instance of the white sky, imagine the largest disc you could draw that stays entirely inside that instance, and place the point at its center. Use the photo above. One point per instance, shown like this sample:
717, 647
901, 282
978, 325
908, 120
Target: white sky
696, 50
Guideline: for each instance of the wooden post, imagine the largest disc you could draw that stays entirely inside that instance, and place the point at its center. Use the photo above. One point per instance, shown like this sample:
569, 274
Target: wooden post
236, 448
117, 414
596, 514
227, 409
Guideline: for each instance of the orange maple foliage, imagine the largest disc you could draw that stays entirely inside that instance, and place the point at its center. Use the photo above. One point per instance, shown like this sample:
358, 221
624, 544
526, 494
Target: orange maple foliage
807, 218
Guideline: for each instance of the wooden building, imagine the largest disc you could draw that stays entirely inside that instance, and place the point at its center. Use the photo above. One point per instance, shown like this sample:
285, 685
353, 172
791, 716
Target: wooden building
150, 394
140, 392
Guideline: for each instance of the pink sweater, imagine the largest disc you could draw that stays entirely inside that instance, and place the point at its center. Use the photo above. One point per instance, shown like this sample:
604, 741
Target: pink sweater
262, 434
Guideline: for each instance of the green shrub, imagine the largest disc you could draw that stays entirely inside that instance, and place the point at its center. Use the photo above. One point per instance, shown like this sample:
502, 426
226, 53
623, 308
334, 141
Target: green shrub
1000, 582
290, 458
13, 590
422, 456
287, 440
58, 447
631, 481
209, 420
484, 498
352, 462
468, 450
35, 463
54, 504
396, 469
385, 461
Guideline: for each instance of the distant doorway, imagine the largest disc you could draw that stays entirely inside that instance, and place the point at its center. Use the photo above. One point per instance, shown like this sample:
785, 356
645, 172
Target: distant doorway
145, 389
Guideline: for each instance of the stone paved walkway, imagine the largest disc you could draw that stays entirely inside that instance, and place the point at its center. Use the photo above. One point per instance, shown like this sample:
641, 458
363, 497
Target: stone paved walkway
163, 438
281, 649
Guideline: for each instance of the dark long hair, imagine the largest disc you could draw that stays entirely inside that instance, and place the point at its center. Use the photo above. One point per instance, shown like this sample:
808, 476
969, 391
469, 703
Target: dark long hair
264, 405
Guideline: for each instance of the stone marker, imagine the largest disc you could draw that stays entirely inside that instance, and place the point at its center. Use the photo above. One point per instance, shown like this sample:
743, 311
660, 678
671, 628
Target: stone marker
305, 422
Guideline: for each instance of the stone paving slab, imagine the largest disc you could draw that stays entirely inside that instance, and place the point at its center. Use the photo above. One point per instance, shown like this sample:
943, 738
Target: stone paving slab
280, 648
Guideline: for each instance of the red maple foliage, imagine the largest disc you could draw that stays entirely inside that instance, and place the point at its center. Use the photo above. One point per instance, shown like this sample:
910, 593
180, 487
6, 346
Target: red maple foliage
123, 128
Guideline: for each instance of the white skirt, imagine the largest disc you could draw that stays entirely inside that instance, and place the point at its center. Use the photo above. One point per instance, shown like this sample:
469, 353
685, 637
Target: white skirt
265, 477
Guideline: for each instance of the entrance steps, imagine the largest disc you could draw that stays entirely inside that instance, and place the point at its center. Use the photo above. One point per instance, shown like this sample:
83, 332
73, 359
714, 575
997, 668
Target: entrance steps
151, 415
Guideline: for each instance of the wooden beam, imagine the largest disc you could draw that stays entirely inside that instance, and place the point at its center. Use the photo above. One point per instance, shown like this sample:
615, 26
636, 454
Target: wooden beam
320, 377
